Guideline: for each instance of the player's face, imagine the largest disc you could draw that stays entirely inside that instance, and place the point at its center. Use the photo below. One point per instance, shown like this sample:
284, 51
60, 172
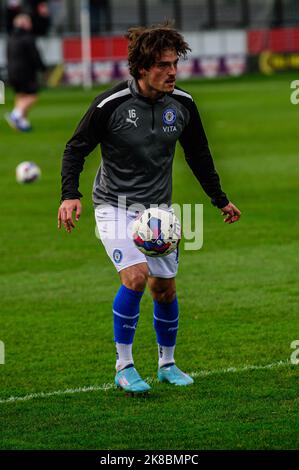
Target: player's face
161, 76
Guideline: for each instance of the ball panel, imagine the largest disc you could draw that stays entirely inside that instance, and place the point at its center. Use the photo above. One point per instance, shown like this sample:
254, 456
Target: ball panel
156, 232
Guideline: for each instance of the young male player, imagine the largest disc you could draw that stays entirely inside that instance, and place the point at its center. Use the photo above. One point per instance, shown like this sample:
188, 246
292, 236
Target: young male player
24, 62
137, 123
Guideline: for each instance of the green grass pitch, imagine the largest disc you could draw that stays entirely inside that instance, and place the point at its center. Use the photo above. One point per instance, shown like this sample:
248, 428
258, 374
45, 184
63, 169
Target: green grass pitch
238, 294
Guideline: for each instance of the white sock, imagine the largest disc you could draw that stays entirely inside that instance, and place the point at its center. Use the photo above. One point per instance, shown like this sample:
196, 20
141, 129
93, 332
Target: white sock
123, 355
17, 113
166, 355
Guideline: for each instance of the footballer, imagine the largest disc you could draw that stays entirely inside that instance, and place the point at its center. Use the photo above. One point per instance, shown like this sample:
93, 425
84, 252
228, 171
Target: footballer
137, 125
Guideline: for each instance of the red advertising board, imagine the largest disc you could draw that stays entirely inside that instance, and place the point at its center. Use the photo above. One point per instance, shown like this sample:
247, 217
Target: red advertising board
102, 48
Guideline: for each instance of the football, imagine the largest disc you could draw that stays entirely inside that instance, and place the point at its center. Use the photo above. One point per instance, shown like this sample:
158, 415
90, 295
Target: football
156, 232
27, 172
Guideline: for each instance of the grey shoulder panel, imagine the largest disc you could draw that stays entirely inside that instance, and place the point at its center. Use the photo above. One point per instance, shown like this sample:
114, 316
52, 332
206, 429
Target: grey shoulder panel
114, 96
179, 92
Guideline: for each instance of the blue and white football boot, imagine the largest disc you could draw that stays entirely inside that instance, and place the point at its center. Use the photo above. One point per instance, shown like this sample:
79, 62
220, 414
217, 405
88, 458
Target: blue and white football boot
129, 380
172, 374
19, 124
12, 121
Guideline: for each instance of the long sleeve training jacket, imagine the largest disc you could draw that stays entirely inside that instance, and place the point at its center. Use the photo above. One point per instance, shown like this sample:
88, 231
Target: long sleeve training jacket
137, 139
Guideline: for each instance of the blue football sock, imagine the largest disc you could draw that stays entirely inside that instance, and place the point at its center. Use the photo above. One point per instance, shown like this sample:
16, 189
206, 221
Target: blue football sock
166, 321
126, 314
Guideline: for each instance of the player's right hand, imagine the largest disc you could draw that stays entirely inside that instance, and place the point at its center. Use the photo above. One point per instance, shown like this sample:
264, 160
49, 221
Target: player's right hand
65, 213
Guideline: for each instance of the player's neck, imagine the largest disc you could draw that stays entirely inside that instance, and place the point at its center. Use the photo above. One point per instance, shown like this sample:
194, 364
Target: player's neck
149, 92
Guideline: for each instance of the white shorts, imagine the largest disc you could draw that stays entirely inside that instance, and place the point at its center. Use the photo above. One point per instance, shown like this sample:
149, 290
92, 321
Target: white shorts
114, 226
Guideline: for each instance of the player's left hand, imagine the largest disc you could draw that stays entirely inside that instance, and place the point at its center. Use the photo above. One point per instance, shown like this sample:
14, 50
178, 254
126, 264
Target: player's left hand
65, 212
231, 212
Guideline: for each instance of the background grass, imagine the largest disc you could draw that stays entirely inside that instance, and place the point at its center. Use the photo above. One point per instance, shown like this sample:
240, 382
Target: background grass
238, 295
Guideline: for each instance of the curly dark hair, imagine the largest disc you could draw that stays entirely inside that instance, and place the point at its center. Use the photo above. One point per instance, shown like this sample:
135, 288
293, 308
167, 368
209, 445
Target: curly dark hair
147, 43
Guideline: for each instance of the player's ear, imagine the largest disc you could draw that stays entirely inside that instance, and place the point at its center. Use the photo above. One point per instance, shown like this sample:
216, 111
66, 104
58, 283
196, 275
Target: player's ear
142, 72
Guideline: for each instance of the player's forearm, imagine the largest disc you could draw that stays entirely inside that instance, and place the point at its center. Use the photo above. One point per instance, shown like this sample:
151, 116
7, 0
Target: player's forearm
70, 187
72, 165
205, 172
81, 144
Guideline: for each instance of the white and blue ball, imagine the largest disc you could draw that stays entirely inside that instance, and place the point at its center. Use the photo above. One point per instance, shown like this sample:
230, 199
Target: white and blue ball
156, 232
27, 172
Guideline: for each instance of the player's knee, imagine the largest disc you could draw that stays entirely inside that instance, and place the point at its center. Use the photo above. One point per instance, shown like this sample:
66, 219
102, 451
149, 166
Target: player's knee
136, 280
166, 295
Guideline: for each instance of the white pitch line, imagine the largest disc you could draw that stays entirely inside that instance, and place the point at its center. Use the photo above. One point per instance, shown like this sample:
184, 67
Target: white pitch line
205, 373
105, 387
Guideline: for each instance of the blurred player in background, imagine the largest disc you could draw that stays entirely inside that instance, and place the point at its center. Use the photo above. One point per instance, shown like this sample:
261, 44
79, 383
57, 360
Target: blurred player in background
24, 62
138, 123
40, 15
12, 9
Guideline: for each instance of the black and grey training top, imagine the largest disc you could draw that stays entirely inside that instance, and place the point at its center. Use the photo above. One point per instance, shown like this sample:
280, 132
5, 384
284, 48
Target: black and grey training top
137, 139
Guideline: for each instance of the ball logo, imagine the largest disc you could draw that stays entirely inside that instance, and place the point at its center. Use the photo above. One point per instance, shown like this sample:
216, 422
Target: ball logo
169, 116
117, 255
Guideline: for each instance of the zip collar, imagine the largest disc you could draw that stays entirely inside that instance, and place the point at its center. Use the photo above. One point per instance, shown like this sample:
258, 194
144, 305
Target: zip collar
132, 84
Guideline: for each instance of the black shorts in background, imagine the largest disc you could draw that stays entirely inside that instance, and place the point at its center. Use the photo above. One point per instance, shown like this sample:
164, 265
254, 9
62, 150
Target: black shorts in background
27, 87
